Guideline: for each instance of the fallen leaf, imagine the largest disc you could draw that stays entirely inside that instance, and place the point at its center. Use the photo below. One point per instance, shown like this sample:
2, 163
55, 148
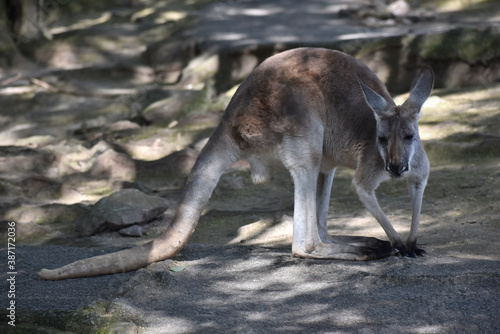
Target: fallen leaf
177, 269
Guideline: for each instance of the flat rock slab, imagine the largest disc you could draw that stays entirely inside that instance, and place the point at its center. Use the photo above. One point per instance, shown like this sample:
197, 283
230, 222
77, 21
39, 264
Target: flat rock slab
257, 290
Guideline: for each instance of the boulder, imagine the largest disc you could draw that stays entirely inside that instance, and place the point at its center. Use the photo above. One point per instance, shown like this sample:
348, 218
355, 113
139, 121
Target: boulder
119, 210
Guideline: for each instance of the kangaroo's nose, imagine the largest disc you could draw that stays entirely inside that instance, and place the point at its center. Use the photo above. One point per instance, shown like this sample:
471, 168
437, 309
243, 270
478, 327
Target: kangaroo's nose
396, 170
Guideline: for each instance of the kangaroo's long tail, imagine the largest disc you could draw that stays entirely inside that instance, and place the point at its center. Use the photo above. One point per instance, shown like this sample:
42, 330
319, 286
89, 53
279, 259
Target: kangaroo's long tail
215, 158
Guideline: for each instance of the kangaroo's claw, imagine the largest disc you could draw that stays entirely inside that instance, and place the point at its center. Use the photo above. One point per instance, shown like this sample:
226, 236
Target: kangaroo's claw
418, 251
409, 251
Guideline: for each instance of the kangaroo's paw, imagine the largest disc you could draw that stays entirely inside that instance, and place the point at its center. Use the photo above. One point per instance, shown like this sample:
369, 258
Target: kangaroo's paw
346, 251
415, 249
404, 251
409, 251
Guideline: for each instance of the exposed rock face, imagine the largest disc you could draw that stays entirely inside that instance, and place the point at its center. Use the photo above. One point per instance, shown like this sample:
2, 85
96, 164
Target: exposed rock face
121, 209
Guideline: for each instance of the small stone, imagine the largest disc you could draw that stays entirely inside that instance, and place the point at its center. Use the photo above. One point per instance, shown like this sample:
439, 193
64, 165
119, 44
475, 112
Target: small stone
399, 8
131, 231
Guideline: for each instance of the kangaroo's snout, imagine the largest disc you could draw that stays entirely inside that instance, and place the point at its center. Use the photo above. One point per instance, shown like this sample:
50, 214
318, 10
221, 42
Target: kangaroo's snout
397, 170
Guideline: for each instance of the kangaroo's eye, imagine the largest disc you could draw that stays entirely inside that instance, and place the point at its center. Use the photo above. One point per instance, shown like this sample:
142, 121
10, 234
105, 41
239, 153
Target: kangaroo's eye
409, 137
382, 140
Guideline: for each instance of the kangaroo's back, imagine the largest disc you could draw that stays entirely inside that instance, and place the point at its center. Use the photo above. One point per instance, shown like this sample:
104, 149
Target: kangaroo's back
285, 87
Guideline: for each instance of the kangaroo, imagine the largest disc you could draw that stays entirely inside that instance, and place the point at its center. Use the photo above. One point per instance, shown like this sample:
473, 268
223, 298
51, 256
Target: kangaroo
308, 110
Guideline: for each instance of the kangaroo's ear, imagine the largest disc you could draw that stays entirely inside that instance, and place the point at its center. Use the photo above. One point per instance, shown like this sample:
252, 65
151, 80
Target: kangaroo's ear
375, 101
421, 88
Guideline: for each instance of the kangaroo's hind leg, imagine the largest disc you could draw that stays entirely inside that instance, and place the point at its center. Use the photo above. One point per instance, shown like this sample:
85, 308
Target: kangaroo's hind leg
325, 180
323, 191
302, 157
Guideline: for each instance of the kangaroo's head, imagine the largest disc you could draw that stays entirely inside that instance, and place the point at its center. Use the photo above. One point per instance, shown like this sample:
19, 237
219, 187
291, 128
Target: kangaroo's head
397, 126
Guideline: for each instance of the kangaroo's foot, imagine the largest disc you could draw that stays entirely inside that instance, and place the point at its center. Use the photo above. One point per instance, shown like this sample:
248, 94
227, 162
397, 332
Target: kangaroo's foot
410, 250
348, 248
415, 249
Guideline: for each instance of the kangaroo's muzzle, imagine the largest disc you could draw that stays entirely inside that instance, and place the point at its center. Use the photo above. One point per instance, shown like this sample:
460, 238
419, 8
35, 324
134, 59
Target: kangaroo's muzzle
397, 170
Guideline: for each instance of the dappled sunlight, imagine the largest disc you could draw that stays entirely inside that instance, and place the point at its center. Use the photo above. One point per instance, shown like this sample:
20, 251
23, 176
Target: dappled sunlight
453, 5
246, 25
124, 96
167, 16
82, 24
10, 136
59, 176
267, 288
466, 256
365, 225
252, 11
460, 126
265, 232
273, 286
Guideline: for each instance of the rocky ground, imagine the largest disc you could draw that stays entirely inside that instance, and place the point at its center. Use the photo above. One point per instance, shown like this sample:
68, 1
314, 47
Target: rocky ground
100, 125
